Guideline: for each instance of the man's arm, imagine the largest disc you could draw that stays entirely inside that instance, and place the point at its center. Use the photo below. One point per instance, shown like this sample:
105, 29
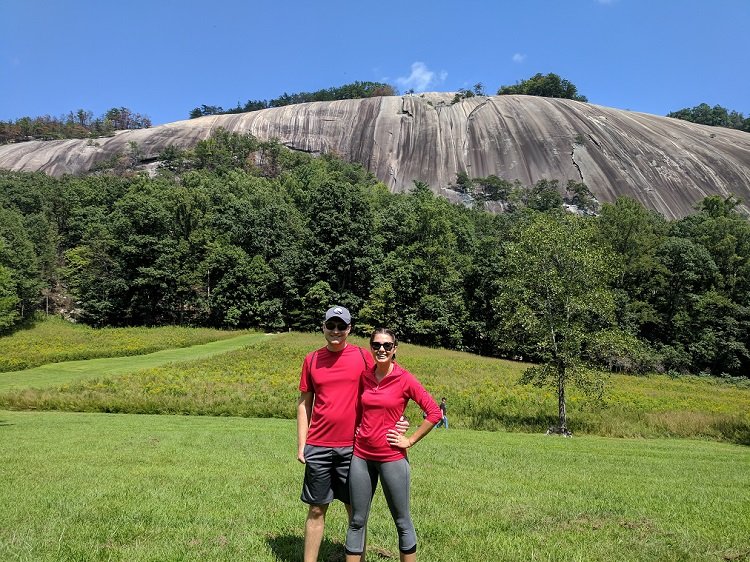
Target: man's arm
304, 411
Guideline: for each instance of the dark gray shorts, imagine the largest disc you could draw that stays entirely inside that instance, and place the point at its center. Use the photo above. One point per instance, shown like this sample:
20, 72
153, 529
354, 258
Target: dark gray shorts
326, 474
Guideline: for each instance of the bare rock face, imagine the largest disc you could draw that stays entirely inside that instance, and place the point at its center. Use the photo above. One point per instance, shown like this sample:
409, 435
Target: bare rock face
666, 164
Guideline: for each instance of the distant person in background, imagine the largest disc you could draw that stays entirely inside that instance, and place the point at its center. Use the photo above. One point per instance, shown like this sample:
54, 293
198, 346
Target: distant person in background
444, 410
379, 454
326, 418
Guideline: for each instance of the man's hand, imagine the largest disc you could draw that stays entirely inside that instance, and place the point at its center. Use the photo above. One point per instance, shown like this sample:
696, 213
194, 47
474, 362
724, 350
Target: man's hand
301, 455
402, 425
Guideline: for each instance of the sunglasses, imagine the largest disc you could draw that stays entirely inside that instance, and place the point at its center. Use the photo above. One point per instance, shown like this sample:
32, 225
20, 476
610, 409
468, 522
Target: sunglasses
332, 326
387, 345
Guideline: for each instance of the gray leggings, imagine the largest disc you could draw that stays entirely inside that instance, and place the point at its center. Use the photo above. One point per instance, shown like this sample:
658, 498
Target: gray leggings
363, 480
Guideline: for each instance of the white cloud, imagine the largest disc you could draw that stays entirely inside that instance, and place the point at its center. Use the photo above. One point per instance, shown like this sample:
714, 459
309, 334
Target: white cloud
421, 78
519, 58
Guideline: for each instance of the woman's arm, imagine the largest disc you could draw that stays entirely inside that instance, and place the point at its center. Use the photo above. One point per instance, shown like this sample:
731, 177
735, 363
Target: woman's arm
415, 391
402, 441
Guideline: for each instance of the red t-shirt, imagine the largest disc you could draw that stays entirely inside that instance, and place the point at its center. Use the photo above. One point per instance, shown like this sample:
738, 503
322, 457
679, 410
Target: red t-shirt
382, 405
334, 379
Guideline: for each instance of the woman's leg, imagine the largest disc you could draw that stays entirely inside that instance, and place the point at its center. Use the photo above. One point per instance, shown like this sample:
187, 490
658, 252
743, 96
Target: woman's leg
363, 479
396, 478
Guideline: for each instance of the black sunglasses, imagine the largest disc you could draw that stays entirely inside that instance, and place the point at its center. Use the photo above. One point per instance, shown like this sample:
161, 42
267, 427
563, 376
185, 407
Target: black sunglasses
332, 326
387, 345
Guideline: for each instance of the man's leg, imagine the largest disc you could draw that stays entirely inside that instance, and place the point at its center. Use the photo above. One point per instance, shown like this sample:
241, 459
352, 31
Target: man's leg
317, 492
314, 527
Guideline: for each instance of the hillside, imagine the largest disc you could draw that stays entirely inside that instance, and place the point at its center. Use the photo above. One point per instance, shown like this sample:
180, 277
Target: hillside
665, 164
260, 377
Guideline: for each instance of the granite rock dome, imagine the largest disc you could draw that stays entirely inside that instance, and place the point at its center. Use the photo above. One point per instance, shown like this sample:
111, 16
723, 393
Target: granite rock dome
666, 164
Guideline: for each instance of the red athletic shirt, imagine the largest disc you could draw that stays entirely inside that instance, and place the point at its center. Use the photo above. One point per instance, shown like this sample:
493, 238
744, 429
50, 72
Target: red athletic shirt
382, 405
334, 379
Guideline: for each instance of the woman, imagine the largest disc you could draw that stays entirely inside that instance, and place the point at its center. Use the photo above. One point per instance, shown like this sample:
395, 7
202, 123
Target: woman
380, 452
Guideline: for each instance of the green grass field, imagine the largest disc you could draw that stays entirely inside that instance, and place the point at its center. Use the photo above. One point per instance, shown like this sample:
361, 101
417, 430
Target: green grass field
225, 486
145, 488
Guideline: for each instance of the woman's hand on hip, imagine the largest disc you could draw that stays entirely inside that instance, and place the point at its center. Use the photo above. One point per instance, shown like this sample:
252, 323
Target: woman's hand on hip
397, 439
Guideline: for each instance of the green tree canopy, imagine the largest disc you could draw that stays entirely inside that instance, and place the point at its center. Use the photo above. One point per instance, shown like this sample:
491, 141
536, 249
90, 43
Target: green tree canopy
716, 116
22, 278
545, 85
554, 299
243, 233
355, 90
8, 299
75, 125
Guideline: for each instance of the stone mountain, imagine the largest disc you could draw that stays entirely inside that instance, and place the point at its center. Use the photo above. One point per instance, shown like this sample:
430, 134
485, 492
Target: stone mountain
666, 164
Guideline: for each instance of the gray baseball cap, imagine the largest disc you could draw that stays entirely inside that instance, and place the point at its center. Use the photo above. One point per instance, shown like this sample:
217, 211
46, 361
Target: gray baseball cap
338, 312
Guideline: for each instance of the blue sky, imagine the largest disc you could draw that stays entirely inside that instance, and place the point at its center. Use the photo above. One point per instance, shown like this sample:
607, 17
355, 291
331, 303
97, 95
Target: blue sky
164, 57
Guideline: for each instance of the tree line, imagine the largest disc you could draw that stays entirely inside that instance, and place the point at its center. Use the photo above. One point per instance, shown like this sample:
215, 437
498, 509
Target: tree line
548, 85
80, 124
553, 86
716, 116
545, 85
355, 90
241, 233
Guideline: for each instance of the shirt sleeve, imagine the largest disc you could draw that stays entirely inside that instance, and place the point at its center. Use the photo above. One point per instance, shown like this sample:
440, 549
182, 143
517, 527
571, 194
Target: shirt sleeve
417, 392
369, 361
305, 380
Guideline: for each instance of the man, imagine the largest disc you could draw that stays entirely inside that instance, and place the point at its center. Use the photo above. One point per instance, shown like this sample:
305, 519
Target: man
326, 417
444, 414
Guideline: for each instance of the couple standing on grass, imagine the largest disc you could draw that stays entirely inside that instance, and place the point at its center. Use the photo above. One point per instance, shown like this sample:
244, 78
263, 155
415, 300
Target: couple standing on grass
349, 434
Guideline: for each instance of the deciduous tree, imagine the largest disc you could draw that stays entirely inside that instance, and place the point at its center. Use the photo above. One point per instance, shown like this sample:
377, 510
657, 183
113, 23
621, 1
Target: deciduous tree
546, 85
554, 298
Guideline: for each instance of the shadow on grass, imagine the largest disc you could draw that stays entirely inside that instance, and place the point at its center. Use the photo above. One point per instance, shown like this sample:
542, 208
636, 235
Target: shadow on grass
738, 433
27, 323
492, 421
289, 548
729, 429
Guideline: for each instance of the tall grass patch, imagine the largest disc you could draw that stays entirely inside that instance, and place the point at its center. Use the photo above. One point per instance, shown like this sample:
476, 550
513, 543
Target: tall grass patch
482, 393
54, 340
258, 381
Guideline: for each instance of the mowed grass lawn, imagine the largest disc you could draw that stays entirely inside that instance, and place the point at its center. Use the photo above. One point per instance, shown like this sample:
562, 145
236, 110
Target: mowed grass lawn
102, 486
56, 374
145, 488
51, 340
